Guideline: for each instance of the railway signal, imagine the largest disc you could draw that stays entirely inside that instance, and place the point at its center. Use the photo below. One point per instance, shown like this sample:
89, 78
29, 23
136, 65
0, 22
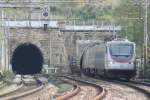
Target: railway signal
45, 14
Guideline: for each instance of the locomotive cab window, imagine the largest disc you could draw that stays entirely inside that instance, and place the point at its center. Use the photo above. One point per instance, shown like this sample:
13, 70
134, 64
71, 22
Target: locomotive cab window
121, 49
121, 52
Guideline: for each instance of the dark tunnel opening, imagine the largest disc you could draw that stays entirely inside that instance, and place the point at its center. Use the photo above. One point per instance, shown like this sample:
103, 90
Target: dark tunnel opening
27, 59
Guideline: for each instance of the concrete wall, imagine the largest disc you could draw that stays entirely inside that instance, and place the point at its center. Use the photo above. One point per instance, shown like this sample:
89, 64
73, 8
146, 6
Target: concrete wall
50, 42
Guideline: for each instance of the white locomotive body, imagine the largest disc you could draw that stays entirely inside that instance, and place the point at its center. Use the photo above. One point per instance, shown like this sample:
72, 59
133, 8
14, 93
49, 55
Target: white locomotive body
114, 59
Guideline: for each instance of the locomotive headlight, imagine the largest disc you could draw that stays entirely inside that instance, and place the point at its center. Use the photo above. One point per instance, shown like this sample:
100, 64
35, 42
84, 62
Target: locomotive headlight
130, 62
111, 62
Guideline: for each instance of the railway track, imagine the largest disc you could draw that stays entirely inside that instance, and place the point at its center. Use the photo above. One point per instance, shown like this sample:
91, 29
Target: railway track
83, 90
140, 86
69, 94
139, 89
10, 89
30, 88
140, 82
143, 87
19, 92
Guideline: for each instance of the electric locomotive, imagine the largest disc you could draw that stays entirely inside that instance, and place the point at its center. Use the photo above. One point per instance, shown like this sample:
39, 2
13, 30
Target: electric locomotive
114, 58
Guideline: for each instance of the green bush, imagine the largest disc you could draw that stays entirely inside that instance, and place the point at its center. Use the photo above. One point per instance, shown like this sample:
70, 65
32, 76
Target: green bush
6, 76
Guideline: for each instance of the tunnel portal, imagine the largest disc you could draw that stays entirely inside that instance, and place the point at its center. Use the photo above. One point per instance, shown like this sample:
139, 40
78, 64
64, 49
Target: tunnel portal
27, 59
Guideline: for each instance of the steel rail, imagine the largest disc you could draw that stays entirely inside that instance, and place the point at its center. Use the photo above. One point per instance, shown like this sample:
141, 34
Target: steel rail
10, 91
23, 94
132, 84
100, 94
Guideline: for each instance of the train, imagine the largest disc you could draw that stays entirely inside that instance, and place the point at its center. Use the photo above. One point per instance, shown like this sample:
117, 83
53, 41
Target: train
115, 58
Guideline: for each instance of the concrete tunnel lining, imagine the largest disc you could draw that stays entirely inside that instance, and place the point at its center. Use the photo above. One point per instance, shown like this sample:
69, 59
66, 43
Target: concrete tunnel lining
27, 59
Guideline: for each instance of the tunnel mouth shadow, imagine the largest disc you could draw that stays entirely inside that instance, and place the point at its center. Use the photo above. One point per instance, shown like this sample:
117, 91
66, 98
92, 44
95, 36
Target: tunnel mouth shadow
27, 59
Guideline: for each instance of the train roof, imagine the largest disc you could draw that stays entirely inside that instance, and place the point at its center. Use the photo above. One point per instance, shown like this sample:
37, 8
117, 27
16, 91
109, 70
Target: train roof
120, 41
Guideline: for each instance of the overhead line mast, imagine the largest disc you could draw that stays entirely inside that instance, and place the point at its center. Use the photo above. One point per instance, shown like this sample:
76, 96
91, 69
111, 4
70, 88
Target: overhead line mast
145, 35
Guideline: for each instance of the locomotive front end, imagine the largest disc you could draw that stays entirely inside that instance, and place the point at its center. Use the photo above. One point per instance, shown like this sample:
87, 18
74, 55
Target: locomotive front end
121, 59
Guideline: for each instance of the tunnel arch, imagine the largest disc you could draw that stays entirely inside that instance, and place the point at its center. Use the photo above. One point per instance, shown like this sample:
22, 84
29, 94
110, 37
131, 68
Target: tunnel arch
27, 59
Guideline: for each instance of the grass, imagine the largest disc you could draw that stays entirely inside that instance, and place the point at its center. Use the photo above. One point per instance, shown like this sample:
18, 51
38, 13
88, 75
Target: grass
63, 87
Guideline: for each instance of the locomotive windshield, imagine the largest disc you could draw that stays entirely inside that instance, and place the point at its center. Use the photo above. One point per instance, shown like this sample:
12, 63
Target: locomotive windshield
121, 49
